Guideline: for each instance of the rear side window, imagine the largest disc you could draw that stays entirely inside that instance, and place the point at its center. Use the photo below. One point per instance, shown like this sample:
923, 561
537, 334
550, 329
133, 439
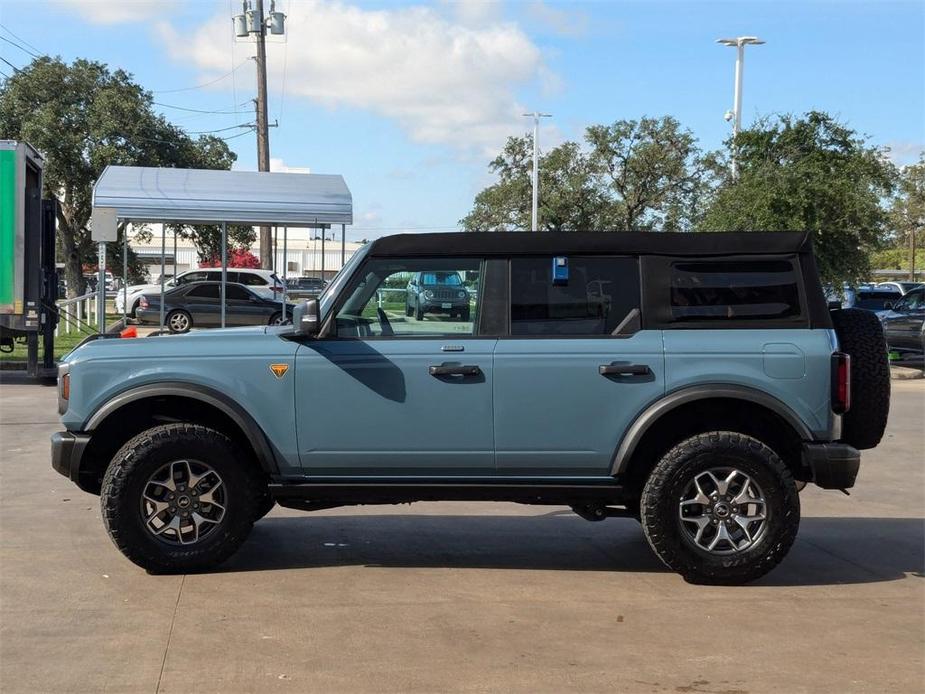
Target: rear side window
593, 299
875, 301
204, 291
741, 290
237, 292
252, 280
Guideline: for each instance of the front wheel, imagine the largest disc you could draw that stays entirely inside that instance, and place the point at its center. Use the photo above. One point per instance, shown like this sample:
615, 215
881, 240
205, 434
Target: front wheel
179, 321
179, 498
277, 319
720, 508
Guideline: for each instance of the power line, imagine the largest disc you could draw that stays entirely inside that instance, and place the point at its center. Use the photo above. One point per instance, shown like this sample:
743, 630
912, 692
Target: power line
200, 86
9, 63
19, 38
22, 48
197, 110
4, 74
218, 130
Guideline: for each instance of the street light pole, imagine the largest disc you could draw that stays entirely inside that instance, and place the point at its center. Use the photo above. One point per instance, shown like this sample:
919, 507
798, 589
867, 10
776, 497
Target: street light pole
736, 114
534, 209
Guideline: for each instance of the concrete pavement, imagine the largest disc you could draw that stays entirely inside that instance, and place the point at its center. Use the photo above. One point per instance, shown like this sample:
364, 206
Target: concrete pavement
458, 596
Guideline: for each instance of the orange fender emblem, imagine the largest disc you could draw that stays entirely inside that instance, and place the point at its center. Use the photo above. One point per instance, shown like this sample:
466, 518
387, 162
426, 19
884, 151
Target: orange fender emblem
279, 370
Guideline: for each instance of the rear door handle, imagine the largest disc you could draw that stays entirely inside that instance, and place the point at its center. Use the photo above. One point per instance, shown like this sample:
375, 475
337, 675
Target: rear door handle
464, 371
616, 369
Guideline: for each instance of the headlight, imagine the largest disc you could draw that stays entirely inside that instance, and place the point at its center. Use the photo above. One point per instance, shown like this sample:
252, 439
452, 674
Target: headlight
462, 295
428, 294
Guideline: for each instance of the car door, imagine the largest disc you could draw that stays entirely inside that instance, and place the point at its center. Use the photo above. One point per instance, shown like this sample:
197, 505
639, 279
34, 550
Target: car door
382, 393
203, 304
243, 307
903, 325
575, 369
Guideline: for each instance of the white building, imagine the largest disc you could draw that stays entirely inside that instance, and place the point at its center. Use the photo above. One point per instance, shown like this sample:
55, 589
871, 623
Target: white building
303, 256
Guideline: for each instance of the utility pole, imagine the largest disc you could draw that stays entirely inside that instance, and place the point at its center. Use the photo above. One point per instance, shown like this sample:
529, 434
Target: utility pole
534, 210
253, 21
736, 114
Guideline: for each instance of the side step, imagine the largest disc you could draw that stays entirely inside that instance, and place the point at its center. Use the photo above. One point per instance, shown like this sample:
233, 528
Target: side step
320, 494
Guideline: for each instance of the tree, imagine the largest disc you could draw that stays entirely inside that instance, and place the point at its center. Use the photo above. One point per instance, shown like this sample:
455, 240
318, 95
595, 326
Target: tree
808, 174
651, 170
237, 257
207, 238
907, 213
83, 117
644, 174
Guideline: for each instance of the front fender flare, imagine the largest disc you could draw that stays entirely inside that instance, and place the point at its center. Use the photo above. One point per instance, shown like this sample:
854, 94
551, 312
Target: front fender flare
204, 394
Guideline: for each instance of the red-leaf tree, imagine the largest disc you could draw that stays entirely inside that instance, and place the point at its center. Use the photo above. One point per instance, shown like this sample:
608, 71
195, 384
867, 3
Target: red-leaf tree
237, 257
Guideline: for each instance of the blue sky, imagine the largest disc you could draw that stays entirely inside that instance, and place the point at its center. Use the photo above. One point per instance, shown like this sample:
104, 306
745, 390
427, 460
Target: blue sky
409, 100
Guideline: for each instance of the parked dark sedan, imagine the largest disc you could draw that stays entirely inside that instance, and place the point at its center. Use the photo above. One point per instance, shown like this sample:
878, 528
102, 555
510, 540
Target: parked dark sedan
198, 304
904, 323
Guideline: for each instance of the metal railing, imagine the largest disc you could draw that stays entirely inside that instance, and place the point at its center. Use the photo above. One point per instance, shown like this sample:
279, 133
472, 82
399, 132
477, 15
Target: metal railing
80, 314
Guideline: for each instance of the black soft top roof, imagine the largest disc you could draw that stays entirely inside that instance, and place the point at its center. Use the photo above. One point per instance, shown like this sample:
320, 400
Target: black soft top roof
591, 242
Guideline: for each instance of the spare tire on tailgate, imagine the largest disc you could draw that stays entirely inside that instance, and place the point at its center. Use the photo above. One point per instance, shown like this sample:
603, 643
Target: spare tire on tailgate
860, 334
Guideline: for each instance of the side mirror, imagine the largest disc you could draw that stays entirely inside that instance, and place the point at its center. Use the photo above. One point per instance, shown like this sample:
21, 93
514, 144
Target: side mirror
306, 318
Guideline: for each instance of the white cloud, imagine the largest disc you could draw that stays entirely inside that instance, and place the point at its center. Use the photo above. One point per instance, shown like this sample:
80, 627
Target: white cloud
442, 80
119, 11
903, 153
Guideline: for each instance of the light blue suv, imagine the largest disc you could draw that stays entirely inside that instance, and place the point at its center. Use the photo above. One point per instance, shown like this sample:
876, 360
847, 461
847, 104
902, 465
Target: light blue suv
692, 381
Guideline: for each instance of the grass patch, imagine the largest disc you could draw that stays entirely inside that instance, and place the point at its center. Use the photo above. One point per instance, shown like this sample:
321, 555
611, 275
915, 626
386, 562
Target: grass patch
64, 342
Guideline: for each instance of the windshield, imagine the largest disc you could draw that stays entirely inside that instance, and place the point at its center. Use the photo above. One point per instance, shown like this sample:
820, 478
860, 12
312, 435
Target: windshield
326, 299
441, 278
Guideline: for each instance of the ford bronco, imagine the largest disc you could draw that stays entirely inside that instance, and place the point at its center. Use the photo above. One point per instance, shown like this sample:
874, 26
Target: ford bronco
694, 382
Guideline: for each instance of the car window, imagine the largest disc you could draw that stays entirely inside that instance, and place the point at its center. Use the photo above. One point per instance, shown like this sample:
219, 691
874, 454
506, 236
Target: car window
380, 305
205, 291
192, 277
592, 297
736, 290
237, 293
252, 279
913, 301
875, 300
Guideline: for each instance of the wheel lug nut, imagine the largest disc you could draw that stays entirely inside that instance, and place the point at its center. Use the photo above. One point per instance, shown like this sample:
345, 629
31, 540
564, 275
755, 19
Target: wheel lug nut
170, 496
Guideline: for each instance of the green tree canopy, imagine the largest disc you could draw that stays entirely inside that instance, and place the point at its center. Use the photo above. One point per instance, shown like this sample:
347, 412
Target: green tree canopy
813, 174
907, 215
82, 117
643, 174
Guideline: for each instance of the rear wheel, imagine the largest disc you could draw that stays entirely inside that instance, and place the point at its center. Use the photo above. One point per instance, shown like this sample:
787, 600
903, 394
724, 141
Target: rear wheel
179, 498
860, 334
720, 508
179, 321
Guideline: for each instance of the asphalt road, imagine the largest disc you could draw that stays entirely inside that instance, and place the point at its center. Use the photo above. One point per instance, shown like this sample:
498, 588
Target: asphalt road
458, 596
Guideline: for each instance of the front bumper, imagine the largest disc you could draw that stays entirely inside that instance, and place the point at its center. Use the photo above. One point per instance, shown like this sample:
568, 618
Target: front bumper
834, 465
67, 449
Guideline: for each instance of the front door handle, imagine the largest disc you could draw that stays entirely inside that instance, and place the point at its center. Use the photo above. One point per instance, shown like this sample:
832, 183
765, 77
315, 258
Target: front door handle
464, 371
617, 369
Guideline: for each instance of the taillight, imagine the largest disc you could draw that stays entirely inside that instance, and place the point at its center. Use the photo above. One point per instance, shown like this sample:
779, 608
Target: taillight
841, 382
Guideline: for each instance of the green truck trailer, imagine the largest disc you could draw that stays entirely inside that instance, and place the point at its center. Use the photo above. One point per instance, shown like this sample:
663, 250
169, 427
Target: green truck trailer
28, 279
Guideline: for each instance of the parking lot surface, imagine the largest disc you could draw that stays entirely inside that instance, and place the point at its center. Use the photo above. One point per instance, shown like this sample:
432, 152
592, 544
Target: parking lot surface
458, 596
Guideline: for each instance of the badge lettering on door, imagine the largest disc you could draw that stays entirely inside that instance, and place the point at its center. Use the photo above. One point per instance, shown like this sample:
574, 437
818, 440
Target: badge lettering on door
279, 370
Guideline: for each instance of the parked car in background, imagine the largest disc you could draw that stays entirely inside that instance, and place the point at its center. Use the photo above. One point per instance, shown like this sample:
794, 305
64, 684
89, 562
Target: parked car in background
904, 323
264, 283
437, 292
305, 287
903, 287
865, 297
198, 304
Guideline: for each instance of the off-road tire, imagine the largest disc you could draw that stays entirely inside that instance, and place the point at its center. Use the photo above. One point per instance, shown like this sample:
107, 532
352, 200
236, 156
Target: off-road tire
408, 310
419, 312
265, 504
665, 486
464, 315
860, 334
132, 466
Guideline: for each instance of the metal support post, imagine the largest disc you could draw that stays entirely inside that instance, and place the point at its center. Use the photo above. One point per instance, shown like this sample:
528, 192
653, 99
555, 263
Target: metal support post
224, 266
163, 270
101, 290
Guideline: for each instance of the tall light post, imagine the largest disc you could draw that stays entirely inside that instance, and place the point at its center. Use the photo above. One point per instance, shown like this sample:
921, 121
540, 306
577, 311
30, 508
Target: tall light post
534, 216
736, 115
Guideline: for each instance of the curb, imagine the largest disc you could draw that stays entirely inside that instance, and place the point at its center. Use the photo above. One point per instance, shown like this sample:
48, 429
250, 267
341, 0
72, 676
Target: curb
904, 373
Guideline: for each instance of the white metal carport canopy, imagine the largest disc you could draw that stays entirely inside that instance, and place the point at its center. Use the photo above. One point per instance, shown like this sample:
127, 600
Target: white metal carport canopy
209, 196
204, 196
